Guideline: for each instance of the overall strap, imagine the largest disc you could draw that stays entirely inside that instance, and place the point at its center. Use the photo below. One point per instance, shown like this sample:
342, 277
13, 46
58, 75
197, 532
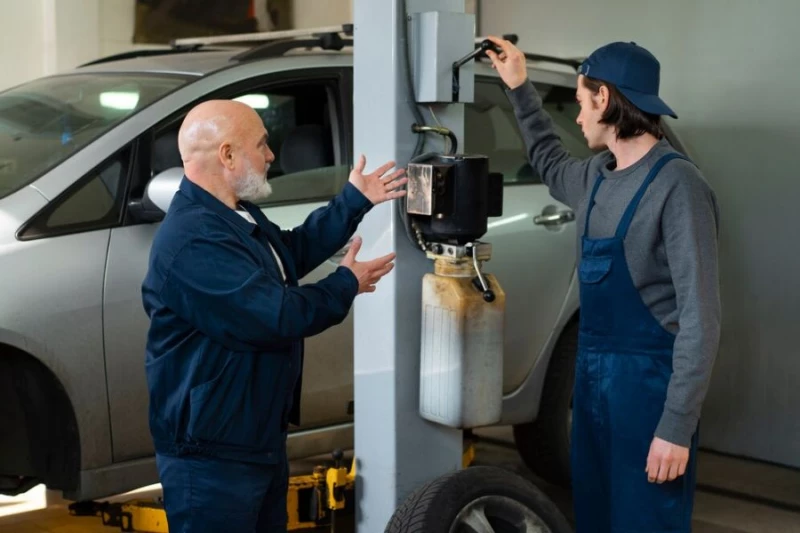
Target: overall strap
597, 183
627, 217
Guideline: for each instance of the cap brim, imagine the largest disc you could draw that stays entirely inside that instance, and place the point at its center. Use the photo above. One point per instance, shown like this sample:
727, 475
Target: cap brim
649, 103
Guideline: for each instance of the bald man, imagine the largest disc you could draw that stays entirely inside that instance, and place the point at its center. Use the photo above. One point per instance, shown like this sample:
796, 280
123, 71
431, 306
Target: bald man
227, 320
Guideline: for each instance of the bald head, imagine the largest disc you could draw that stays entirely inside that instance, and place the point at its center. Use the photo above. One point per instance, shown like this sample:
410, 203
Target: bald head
223, 145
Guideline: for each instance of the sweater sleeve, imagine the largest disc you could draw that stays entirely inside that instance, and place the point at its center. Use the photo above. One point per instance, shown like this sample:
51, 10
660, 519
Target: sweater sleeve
690, 230
566, 177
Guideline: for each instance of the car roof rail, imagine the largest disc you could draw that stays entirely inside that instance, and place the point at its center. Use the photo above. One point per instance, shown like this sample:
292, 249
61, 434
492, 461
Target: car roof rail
327, 41
262, 37
570, 62
276, 43
146, 53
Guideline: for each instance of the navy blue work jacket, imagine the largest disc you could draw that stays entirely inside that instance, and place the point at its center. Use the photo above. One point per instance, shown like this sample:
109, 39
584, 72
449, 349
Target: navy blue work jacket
225, 345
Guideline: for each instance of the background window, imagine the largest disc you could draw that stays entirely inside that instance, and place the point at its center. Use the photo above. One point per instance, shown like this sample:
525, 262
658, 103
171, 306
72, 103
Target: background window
491, 129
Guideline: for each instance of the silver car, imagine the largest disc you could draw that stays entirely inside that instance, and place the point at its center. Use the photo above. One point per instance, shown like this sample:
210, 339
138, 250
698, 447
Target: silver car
78, 154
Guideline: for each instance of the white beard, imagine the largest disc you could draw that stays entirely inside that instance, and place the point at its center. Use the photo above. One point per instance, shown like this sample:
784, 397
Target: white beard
253, 186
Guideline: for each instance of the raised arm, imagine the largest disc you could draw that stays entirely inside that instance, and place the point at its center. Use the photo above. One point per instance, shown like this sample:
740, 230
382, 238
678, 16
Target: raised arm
567, 177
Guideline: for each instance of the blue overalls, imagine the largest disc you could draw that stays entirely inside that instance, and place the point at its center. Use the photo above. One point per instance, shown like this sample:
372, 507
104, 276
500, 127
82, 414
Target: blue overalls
623, 367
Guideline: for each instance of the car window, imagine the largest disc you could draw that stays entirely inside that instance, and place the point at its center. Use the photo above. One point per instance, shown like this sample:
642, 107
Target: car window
298, 118
45, 121
491, 128
95, 203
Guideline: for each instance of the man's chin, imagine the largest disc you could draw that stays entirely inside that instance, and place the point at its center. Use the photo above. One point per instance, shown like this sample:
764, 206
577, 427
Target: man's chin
261, 196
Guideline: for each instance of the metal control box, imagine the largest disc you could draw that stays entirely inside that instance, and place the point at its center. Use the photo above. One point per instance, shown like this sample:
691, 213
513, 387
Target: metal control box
439, 39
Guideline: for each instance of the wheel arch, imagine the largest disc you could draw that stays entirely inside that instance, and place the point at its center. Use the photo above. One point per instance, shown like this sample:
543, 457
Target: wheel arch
42, 442
522, 404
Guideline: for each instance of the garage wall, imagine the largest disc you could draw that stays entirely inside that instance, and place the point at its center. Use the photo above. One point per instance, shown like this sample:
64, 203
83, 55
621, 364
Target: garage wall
49, 36
729, 71
313, 13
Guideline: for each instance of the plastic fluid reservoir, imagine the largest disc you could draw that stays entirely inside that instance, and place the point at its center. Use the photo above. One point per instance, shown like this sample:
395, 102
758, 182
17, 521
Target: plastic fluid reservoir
461, 366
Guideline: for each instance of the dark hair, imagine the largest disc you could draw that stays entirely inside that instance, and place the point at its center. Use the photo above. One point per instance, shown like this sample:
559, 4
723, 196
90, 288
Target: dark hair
627, 119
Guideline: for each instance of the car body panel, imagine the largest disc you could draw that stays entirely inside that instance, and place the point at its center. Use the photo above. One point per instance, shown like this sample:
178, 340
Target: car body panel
125, 325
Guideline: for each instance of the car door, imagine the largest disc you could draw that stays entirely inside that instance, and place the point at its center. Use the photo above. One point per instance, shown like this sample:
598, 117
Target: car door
533, 243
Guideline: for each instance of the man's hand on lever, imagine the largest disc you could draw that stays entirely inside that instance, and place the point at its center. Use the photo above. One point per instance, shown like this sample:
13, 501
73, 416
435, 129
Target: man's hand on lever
510, 63
375, 186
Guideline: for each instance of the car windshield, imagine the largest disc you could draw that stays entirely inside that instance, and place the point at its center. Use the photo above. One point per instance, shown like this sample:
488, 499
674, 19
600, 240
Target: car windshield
45, 121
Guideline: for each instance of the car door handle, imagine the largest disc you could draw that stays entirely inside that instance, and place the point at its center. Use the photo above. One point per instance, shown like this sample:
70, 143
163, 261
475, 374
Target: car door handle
561, 217
343, 250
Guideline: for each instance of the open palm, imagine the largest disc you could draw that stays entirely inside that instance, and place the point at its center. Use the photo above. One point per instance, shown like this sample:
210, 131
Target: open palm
377, 186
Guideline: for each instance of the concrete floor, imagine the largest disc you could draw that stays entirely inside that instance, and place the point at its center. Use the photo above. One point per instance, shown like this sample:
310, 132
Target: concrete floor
734, 496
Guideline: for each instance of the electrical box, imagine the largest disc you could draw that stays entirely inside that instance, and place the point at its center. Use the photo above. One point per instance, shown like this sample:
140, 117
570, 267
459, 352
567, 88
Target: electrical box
439, 39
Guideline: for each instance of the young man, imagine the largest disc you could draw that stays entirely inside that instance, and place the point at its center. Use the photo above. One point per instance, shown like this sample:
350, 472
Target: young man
228, 319
650, 307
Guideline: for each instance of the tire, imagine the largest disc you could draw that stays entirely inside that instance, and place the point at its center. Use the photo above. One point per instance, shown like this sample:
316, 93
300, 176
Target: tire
544, 444
479, 494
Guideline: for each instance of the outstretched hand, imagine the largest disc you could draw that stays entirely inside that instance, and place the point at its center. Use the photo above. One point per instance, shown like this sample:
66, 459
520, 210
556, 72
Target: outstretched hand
510, 63
378, 187
368, 273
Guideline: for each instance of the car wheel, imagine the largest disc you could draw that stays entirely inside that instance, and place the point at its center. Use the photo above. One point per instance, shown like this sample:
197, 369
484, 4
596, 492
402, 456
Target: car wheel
544, 444
478, 499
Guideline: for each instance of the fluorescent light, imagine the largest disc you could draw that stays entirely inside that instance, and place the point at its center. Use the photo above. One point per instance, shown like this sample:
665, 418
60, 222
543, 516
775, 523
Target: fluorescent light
256, 101
119, 100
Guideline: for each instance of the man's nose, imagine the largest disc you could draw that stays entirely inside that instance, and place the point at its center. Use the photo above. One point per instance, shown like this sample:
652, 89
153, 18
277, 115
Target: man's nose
270, 156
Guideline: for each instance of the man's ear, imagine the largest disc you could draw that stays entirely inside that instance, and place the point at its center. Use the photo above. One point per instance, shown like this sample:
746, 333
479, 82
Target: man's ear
226, 155
602, 98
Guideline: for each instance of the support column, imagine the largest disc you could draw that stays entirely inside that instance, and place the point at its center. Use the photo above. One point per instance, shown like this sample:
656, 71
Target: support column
397, 450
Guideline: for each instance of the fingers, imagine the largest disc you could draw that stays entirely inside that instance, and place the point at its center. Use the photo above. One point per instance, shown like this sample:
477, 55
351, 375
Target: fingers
393, 176
663, 470
380, 272
362, 162
383, 168
674, 467
652, 465
380, 262
350, 256
495, 60
376, 275
502, 43
396, 183
663, 467
390, 186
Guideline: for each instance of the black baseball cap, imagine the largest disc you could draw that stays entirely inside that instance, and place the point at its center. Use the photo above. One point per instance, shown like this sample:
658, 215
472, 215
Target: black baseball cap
633, 70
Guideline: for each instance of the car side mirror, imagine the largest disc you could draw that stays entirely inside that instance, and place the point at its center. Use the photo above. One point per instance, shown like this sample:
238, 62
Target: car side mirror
157, 196
162, 188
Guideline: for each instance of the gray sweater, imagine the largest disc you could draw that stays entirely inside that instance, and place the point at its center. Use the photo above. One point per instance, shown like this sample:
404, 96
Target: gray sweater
671, 247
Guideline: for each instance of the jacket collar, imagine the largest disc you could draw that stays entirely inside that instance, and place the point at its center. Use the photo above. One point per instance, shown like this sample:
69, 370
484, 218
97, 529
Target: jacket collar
197, 194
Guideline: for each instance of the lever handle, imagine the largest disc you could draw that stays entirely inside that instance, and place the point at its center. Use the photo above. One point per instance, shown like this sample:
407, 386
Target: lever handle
557, 218
480, 282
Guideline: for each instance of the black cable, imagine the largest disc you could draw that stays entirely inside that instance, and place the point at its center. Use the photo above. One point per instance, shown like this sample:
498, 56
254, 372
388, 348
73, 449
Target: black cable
409, 83
412, 100
441, 131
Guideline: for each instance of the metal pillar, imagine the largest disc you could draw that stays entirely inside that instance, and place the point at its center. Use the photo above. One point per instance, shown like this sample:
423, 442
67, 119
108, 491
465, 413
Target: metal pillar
397, 450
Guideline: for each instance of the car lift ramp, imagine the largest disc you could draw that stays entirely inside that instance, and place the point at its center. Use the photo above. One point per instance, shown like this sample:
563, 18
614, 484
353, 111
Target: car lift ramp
314, 499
